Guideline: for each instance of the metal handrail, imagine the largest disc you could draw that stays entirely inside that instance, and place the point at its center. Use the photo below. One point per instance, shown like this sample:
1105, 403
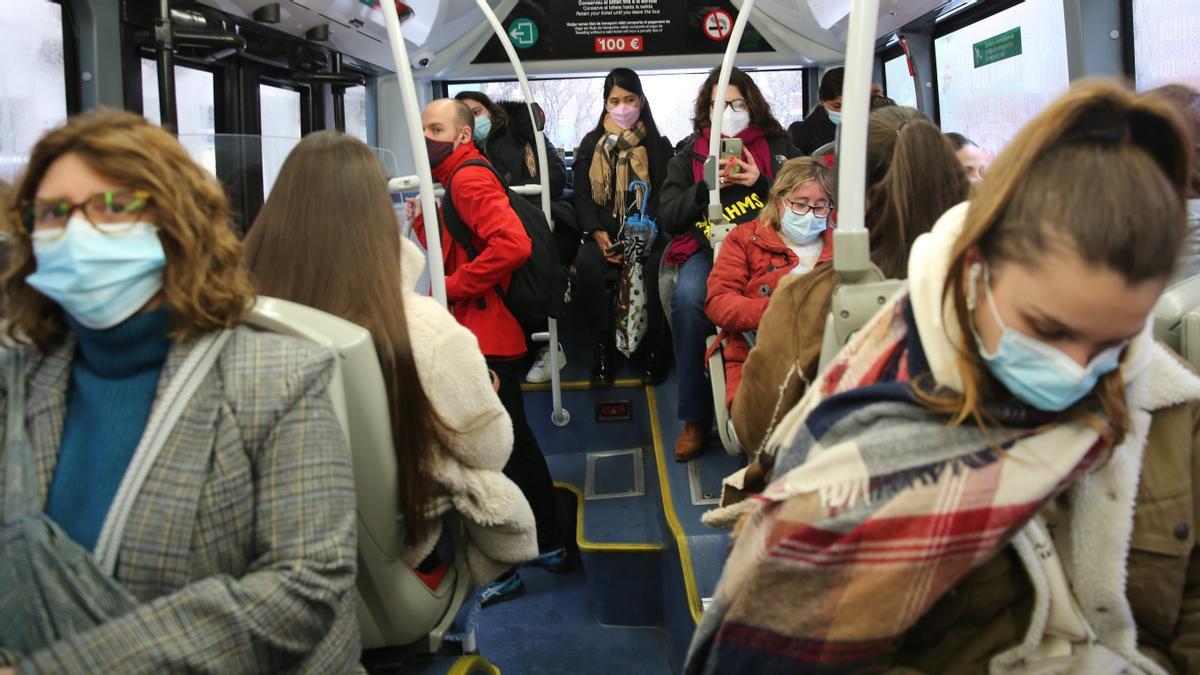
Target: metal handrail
716, 214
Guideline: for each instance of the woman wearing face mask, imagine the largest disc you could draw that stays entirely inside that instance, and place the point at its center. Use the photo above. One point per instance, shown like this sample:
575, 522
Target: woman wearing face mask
1187, 101
176, 491
820, 127
745, 183
625, 146
998, 472
789, 237
505, 135
971, 155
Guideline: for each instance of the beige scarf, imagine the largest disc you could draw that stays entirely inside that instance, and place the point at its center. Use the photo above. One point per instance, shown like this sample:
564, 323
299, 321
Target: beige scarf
619, 150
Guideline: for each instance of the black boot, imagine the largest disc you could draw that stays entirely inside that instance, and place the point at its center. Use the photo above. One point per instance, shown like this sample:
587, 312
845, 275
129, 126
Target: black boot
601, 366
655, 368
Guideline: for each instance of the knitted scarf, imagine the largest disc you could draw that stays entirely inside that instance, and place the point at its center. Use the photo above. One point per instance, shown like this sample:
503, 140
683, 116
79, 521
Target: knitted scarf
620, 151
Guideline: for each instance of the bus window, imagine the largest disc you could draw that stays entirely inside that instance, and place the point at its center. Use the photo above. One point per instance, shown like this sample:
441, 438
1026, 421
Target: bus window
573, 105
356, 113
1165, 46
995, 74
280, 114
195, 110
33, 81
900, 85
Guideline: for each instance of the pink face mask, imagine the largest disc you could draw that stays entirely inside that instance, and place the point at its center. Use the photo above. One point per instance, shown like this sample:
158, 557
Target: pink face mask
625, 115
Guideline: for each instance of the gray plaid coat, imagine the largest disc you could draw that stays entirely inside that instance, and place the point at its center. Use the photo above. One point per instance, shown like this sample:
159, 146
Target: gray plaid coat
241, 544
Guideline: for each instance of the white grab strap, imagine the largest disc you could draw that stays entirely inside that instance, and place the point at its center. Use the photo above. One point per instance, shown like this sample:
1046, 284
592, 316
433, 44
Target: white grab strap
166, 414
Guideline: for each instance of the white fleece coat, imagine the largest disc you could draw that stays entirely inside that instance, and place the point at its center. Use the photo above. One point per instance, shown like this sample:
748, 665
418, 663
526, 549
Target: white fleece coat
1092, 538
499, 522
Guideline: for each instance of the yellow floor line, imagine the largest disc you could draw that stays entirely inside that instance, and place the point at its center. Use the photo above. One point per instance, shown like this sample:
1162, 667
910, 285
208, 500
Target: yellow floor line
586, 546
465, 665
685, 555
579, 385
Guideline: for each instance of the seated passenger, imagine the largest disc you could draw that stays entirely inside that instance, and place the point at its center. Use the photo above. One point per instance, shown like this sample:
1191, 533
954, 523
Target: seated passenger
1187, 100
745, 186
472, 288
506, 136
820, 127
178, 493
970, 154
625, 146
451, 433
913, 178
789, 237
999, 472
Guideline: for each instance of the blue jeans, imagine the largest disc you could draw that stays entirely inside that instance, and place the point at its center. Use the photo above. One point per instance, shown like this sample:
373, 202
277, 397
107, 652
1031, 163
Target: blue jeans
690, 328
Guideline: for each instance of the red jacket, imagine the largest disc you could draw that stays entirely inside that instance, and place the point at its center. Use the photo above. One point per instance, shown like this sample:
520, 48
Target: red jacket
748, 267
503, 246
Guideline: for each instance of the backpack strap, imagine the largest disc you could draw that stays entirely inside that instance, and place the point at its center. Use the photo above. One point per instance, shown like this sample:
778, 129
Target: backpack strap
165, 415
458, 229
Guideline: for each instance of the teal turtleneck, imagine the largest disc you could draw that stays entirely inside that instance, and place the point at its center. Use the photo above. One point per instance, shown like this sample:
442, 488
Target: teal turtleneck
114, 378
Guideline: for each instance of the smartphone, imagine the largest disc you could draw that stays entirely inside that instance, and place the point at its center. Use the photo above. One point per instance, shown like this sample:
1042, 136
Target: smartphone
616, 248
731, 147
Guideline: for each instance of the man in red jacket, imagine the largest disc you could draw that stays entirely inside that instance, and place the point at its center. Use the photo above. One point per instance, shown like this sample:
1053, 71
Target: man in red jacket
503, 246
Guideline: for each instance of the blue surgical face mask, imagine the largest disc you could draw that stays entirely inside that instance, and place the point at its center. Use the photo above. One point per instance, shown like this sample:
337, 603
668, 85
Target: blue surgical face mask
483, 126
801, 229
1035, 372
100, 279
834, 116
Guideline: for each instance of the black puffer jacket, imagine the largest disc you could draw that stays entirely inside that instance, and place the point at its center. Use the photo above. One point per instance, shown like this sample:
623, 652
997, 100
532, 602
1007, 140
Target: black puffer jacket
684, 199
813, 132
506, 145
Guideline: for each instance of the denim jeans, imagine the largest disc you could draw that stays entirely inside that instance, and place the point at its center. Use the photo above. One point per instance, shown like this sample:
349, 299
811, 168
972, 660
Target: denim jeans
690, 328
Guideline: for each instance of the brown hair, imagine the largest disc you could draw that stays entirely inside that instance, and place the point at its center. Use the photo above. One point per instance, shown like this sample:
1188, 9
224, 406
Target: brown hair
204, 284
913, 177
1188, 101
344, 221
794, 173
760, 110
499, 117
1101, 171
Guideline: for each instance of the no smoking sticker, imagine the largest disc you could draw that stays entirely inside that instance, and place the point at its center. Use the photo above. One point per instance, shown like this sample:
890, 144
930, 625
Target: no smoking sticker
718, 24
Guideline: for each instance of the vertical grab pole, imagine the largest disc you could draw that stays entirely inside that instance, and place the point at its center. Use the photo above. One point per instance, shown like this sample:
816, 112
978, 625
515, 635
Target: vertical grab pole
715, 213
560, 417
416, 137
165, 37
851, 251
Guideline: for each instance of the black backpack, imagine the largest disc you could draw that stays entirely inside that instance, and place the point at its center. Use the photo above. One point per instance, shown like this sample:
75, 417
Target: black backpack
539, 287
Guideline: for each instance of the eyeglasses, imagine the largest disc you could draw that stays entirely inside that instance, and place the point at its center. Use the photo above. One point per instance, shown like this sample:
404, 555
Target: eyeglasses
738, 104
801, 208
112, 213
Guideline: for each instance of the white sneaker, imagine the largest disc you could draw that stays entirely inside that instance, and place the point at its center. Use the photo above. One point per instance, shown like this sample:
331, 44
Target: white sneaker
540, 371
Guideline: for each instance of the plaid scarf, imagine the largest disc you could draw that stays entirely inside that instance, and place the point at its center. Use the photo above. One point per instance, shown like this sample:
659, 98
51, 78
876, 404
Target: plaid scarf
620, 157
878, 509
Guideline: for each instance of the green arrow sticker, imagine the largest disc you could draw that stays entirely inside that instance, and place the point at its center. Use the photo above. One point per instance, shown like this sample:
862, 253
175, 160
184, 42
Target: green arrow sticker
523, 33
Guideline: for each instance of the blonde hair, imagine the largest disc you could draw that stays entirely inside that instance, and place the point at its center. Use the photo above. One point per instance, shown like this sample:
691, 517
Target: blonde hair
1104, 172
204, 284
794, 173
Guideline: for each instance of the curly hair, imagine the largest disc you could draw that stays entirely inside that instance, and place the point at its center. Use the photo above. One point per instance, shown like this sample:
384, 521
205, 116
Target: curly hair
205, 285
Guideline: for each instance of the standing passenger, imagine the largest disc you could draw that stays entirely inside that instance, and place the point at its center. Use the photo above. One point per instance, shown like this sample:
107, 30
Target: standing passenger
1188, 101
745, 183
970, 155
1000, 472
471, 289
625, 146
451, 434
135, 541
820, 127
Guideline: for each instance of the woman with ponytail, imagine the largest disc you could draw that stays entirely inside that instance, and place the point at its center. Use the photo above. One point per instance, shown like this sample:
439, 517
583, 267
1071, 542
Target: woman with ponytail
998, 473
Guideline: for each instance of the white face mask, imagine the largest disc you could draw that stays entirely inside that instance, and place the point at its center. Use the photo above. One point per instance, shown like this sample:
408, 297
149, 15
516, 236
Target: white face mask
734, 122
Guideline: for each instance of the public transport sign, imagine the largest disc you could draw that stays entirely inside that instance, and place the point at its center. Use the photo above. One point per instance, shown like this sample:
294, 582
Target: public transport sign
718, 24
1003, 46
523, 33
613, 44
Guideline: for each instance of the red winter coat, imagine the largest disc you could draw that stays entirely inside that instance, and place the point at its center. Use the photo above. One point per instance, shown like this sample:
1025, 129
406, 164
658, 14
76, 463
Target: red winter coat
751, 262
503, 246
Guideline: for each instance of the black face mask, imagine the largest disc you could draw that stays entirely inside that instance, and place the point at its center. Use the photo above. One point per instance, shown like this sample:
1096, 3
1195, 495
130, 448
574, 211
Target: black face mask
438, 151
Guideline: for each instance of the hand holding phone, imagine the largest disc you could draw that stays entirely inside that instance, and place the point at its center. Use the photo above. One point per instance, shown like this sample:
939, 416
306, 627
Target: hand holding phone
731, 149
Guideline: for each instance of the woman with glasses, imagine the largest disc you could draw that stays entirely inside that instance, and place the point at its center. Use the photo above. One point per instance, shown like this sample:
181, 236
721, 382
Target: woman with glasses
745, 182
913, 177
175, 489
789, 237
999, 472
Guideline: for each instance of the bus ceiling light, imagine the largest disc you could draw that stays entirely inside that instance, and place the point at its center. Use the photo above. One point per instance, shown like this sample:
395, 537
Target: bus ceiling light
947, 14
